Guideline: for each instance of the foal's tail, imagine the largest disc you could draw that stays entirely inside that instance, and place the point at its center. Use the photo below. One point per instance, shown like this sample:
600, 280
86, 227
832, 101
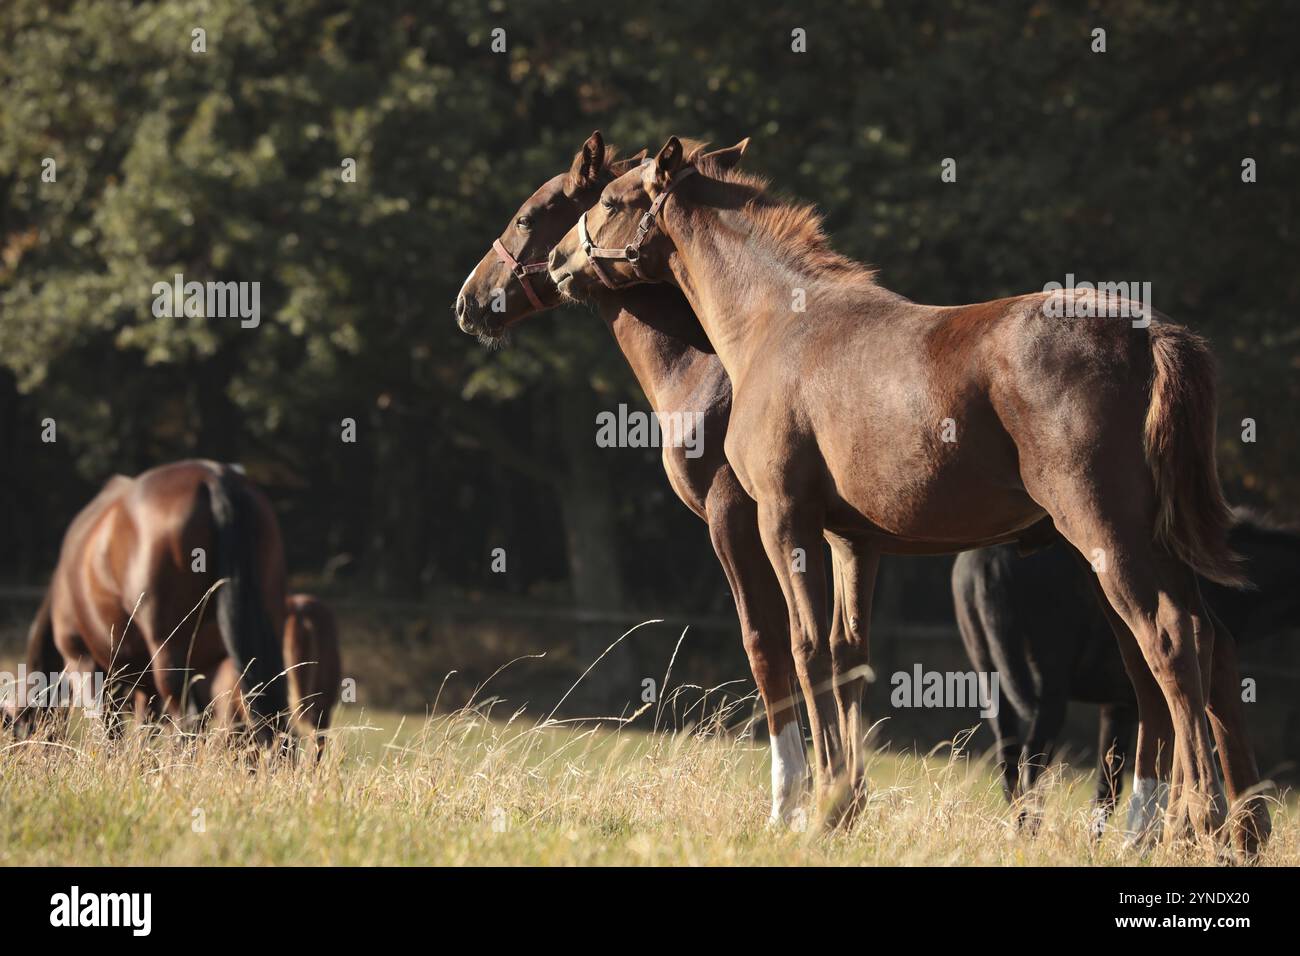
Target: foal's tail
246, 625
1192, 517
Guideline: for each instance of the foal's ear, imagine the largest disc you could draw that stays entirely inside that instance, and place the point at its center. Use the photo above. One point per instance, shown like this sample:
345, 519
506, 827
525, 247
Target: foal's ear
728, 158
589, 161
669, 159
619, 167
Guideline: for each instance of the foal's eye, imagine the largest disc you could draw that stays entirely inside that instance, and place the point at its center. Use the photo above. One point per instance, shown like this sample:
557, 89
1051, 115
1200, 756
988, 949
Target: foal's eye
524, 223
607, 204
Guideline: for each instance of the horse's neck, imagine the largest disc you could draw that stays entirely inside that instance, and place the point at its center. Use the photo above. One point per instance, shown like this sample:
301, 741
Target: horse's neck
657, 343
737, 297
737, 312
745, 295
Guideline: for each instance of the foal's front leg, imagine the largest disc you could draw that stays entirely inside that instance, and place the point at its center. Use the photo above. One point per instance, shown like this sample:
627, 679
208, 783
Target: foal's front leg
792, 537
733, 527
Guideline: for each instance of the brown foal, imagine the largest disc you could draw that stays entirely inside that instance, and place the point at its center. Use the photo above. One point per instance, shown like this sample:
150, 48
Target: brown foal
908, 428
664, 345
313, 669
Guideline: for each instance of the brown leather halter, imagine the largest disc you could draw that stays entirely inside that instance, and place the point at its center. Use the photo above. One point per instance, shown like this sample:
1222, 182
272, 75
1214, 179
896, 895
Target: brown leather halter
521, 271
632, 251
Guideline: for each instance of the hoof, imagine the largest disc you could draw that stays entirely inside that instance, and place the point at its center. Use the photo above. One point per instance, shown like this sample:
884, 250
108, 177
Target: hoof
1097, 823
794, 819
1146, 812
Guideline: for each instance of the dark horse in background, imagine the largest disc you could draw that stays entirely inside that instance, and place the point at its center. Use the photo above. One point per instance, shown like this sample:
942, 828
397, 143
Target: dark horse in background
1034, 619
169, 535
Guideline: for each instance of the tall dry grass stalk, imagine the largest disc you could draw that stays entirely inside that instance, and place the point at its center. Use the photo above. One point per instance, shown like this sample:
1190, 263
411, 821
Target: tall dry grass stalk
486, 785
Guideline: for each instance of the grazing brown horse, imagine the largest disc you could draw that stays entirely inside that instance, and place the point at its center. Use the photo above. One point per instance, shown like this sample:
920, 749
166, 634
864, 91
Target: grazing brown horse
315, 670
672, 360
127, 597
908, 428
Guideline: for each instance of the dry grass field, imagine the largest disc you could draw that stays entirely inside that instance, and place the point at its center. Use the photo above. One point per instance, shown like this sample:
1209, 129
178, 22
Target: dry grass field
473, 787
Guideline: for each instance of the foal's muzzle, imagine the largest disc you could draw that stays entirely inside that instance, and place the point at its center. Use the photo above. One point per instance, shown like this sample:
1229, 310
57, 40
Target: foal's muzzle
467, 315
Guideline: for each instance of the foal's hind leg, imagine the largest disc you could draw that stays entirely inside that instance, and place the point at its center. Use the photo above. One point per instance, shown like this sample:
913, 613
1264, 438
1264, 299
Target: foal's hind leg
764, 629
1250, 818
1104, 504
1155, 736
854, 567
1157, 598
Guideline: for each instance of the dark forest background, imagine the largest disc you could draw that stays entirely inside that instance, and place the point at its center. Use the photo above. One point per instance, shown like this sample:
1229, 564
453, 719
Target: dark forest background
226, 165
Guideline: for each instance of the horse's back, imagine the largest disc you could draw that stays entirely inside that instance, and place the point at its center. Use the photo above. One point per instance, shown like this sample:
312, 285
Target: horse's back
87, 520
168, 497
174, 558
172, 505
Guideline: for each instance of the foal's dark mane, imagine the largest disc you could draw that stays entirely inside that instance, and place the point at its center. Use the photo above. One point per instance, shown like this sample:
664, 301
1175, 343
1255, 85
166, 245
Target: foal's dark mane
793, 230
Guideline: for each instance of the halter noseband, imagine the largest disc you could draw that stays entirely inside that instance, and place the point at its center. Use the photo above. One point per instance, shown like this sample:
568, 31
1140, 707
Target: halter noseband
521, 271
632, 251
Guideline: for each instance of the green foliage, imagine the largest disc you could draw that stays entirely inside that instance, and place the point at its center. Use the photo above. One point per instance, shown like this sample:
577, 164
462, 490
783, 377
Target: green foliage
226, 165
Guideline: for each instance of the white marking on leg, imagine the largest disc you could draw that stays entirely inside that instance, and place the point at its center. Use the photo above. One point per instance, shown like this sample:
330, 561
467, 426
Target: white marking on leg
789, 771
1146, 811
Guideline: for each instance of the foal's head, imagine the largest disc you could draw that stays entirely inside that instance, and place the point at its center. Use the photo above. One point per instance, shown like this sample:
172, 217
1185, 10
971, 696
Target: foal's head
510, 281
622, 241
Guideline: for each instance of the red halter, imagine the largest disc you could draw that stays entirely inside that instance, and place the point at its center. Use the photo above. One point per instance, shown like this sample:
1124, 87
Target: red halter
521, 271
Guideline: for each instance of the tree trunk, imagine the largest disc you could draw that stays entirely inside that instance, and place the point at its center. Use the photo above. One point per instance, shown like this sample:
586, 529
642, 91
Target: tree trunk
586, 495
587, 499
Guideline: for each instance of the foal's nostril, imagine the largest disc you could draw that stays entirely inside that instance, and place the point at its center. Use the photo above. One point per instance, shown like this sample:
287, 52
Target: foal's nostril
555, 260
466, 314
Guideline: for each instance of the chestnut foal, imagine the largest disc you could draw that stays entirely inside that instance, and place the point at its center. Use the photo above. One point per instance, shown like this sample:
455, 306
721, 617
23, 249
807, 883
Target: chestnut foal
908, 428
666, 349
313, 669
